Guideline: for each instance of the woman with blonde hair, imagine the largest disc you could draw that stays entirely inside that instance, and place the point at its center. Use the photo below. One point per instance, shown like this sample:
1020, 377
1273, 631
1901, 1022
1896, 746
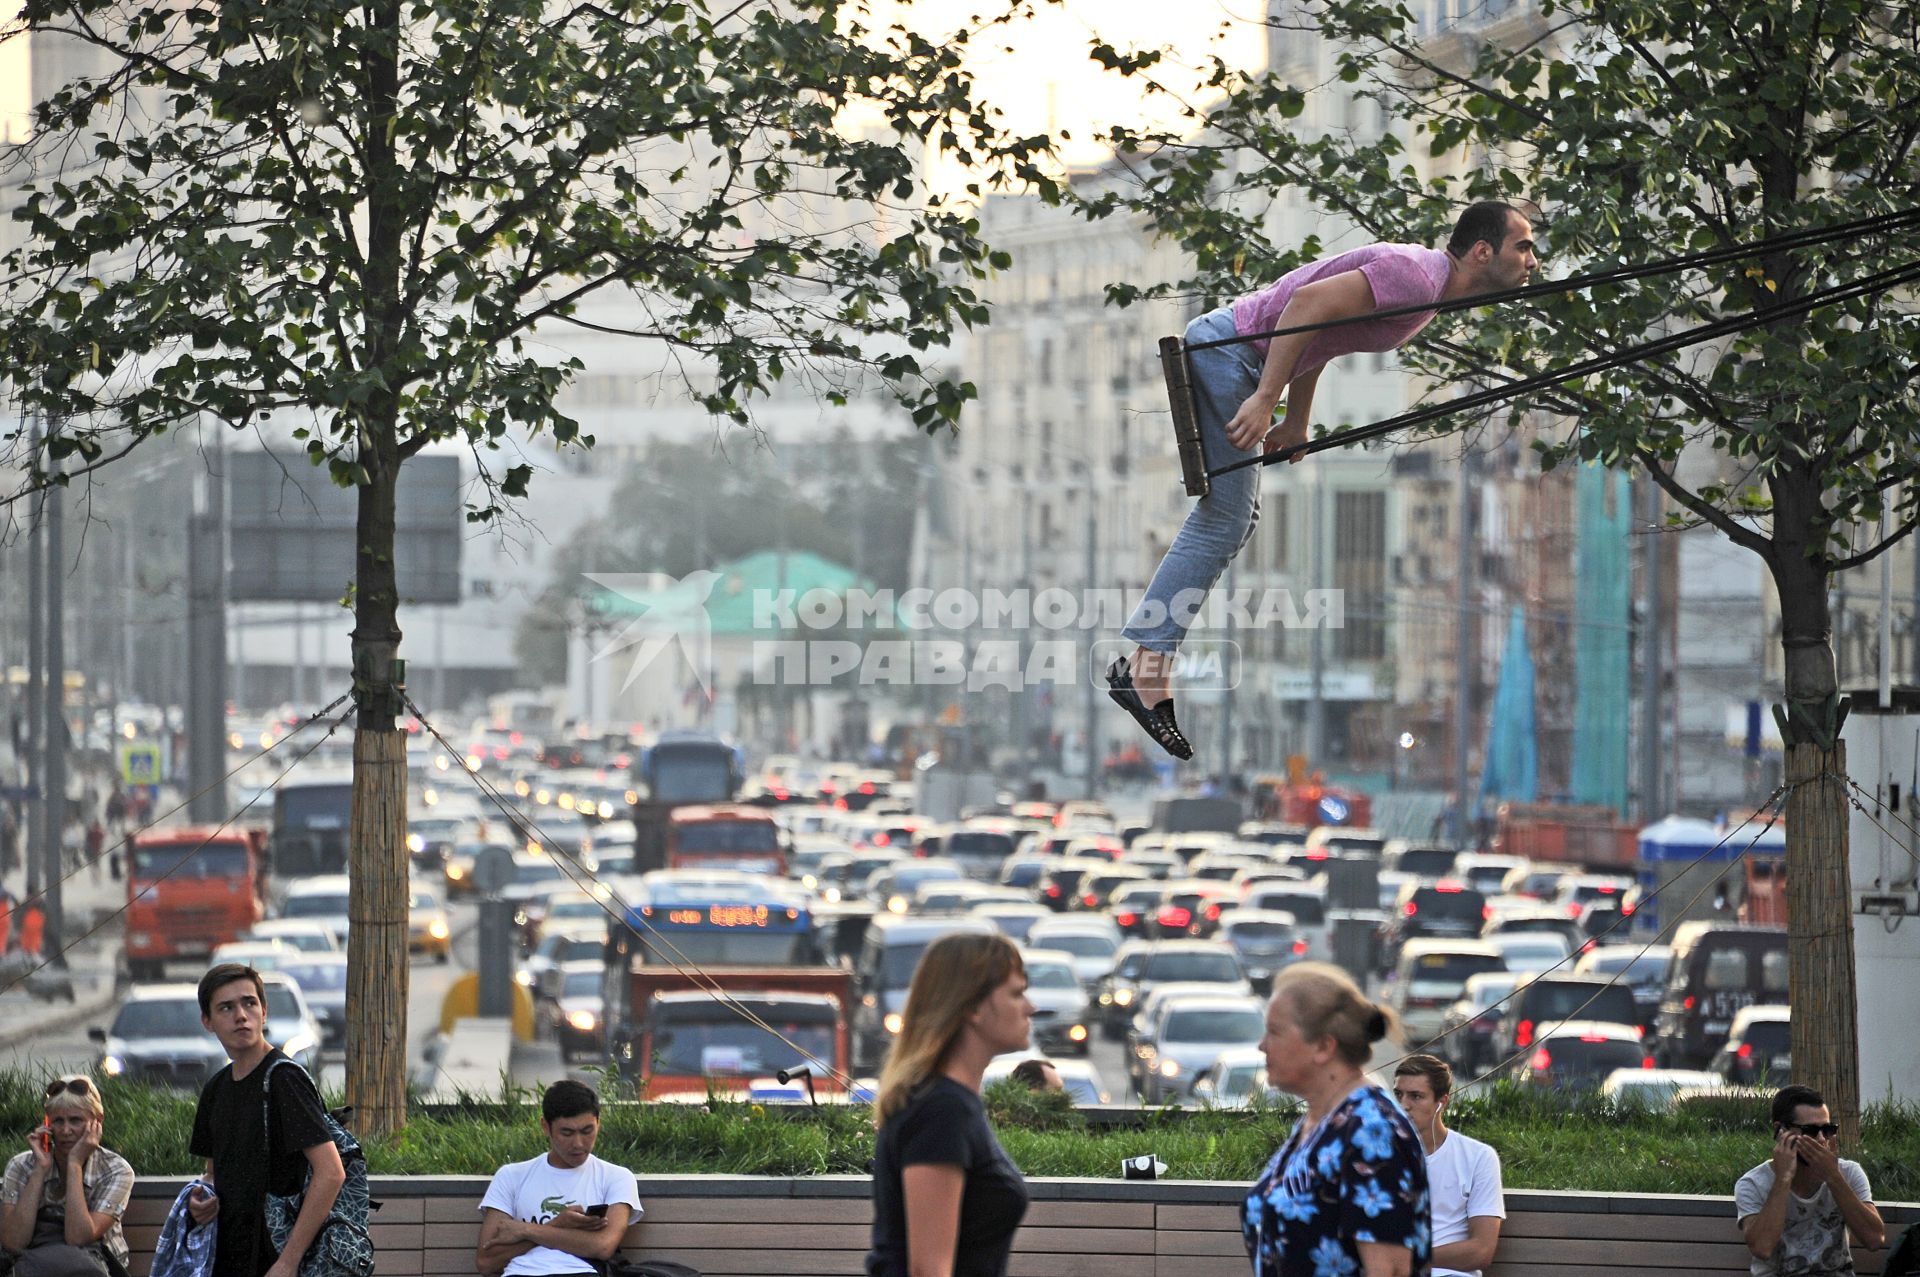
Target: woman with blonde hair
1347, 1192
61, 1200
946, 1198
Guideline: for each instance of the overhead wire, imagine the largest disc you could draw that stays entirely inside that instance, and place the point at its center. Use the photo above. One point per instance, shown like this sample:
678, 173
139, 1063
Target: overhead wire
578, 873
185, 857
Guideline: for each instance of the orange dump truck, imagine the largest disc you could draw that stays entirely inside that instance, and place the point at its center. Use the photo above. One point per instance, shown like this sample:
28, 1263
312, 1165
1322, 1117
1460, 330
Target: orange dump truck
189, 891
685, 1040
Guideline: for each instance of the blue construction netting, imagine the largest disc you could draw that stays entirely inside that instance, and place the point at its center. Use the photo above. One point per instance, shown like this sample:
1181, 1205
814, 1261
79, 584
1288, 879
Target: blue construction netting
1512, 768
1602, 664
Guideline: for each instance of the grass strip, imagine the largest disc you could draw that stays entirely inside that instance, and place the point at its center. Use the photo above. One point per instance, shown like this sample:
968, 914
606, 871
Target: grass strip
1544, 1141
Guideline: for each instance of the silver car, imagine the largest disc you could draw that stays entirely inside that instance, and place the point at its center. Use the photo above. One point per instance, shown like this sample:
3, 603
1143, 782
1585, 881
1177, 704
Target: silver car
156, 1037
1060, 1025
1187, 1037
322, 978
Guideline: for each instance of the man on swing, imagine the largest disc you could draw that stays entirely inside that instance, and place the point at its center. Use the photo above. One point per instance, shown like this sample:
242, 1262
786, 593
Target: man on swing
1237, 387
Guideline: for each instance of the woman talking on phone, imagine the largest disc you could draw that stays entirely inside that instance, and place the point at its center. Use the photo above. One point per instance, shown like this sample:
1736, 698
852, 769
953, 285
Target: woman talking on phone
1346, 1195
61, 1200
946, 1198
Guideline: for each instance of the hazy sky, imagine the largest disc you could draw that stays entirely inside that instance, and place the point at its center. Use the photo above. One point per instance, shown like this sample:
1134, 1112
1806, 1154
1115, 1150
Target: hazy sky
1037, 71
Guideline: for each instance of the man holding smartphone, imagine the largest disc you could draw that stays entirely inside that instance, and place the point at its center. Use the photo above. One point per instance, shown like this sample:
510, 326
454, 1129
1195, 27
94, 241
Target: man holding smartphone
564, 1213
1797, 1207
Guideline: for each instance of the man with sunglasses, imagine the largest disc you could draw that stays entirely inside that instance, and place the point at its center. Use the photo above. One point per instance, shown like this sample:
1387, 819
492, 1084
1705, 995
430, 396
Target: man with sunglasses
1797, 1207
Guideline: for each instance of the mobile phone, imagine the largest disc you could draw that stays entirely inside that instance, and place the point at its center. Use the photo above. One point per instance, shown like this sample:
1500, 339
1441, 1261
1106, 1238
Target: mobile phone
600, 1210
44, 1134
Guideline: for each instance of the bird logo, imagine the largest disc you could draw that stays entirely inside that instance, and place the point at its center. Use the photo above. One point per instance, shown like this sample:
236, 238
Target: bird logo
675, 611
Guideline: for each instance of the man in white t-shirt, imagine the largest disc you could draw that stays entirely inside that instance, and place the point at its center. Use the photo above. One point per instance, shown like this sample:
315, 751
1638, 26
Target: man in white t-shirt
564, 1212
1797, 1207
1463, 1175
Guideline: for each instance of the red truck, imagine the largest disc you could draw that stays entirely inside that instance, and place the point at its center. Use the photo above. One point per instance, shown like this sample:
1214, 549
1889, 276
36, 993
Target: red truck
1561, 834
189, 891
683, 1040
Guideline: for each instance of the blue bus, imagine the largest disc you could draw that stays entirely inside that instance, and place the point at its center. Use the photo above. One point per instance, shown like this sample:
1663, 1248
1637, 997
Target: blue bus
720, 917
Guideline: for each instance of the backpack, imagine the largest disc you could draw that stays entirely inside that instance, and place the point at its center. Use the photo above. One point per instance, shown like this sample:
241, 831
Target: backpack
342, 1247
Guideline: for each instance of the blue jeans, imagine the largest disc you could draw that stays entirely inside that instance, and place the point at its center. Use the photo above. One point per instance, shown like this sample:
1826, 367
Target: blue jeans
1221, 522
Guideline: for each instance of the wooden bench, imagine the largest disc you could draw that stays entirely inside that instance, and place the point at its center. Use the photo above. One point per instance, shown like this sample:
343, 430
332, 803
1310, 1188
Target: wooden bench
742, 1226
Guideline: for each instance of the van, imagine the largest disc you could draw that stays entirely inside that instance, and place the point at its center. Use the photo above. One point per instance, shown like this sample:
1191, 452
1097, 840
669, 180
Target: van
1430, 975
1717, 970
888, 955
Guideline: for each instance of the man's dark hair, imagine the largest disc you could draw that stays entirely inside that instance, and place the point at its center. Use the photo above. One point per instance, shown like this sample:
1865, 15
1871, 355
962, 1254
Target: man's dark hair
1789, 1098
224, 974
1488, 220
568, 1098
1032, 1073
1431, 1069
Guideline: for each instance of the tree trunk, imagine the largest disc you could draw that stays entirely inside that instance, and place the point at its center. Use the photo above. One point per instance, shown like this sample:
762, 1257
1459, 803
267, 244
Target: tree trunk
1820, 962
377, 947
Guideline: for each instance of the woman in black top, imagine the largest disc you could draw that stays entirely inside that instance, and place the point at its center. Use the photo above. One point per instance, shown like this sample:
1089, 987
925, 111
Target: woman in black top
946, 1198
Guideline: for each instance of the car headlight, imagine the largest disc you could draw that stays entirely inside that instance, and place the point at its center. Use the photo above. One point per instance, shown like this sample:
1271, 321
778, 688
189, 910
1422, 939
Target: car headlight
437, 929
896, 904
1078, 1033
455, 872
831, 895
416, 844
112, 1065
582, 1020
1169, 1068
893, 1022
300, 1043
1123, 997
523, 978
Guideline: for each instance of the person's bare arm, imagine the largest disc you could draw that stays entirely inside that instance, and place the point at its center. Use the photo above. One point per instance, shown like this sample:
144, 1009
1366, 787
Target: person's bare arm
1483, 1235
203, 1207
1763, 1230
495, 1252
574, 1231
1343, 296
324, 1181
1293, 427
1863, 1221
932, 1193
84, 1225
1384, 1259
16, 1225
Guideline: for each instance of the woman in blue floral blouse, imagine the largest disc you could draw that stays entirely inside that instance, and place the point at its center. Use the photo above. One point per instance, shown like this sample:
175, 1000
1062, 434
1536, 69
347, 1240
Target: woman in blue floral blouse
1346, 1195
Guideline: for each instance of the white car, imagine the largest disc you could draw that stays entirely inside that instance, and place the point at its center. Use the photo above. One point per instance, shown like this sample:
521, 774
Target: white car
308, 937
261, 955
321, 898
1091, 939
1186, 1038
1531, 952
1237, 1080
1653, 1088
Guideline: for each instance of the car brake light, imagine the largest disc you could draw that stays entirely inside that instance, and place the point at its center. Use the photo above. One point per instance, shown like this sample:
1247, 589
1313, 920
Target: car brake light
1318, 853
1299, 947
1126, 919
1213, 913
1640, 1030
1089, 900
1573, 910
1450, 888
1593, 1037
1541, 1061
1486, 912
1175, 916
1412, 908
1608, 889
1523, 1033
840, 804
1688, 1004
881, 840
1627, 910
867, 788
1646, 1062
1746, 1051
1053, 889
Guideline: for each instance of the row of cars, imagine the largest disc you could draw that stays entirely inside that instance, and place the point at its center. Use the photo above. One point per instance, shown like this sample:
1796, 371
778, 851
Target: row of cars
156, 1036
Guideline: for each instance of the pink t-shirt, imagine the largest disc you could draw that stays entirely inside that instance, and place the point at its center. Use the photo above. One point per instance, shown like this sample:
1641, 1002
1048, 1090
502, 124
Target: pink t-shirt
1399, 274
